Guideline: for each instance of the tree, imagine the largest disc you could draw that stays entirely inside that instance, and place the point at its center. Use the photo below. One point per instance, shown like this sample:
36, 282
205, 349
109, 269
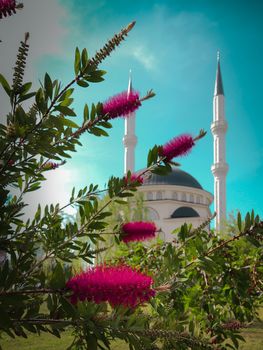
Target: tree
128, 301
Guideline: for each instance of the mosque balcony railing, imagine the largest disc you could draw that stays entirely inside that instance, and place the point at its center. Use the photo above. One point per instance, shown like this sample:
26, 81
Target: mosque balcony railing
219, 169
219, 126
175, 200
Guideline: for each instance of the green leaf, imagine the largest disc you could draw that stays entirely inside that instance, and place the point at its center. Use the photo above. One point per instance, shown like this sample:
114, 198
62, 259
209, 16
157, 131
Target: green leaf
93, 112
65, 110
69, 123
149, 158
34, 187
84, 57
26, 97
93, 79
106, 125
247, 221
92, 342
66, 94
239, 222
5, 85
25, 88
20, 183
77, 61
48, 86
40, 101
86, 112
120, 201
253, 241
82, 83
58, 277
66, 102
160, 170
125, 194
98, 132
68, 307
38, 213
21, 115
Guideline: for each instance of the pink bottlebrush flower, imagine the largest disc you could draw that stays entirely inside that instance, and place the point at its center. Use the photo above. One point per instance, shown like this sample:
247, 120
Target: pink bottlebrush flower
121, 104
118, 285
138, 231
7, 8
178, 146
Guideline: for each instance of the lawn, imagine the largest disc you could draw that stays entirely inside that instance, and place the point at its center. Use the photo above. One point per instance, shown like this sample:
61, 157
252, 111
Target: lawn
47, 342
253, 336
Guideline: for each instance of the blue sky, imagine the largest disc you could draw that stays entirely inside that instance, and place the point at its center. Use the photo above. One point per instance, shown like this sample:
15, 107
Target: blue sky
172, 49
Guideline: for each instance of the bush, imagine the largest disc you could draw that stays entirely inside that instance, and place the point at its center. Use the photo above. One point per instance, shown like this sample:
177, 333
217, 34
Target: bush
195, 293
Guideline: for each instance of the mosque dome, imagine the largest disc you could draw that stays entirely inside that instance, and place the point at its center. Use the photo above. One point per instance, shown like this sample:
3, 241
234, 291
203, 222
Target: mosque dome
176, 177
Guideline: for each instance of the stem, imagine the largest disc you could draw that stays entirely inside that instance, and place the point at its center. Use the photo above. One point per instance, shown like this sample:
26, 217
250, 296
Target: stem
249, 231
80, 131
92, 62
45, 321
34, 291
81, 230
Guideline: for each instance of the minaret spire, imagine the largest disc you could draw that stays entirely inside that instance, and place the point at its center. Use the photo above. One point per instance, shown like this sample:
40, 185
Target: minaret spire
129, 139
220, 167
219, 90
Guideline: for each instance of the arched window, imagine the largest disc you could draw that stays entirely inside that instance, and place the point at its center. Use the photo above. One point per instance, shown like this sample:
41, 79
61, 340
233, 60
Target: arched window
175, 196
152, 214
192, 198
183, 197
159, 195
184, 212
149, 196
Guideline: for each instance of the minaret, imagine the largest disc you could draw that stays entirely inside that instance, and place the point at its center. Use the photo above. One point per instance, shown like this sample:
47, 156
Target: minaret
129, 139
220, 167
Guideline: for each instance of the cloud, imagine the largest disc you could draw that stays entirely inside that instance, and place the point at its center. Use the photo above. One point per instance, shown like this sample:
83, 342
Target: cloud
164, 40
56, 189
44, 21
145, 57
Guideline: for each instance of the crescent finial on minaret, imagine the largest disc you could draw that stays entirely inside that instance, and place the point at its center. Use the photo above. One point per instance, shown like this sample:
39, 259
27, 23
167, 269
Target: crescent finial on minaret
218, 56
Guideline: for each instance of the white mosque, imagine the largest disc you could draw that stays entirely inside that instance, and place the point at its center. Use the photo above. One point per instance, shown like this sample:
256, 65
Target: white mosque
178, 197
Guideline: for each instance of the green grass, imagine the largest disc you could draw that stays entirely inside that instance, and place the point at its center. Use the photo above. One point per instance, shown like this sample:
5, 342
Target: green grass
47, 342
253, 336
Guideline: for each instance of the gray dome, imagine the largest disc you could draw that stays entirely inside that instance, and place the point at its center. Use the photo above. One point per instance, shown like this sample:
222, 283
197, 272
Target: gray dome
176, 177
184, 212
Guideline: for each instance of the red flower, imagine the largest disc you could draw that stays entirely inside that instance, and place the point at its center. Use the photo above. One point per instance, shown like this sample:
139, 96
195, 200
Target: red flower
119, 285
122, 104
138, 231
178, 146
8, 7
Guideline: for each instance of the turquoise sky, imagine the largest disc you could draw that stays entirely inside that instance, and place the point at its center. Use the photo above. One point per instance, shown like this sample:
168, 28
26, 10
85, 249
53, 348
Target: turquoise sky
172, 49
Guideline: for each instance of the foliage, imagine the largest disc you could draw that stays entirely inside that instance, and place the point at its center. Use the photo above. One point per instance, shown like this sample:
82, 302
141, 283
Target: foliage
38, 254
215, 284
